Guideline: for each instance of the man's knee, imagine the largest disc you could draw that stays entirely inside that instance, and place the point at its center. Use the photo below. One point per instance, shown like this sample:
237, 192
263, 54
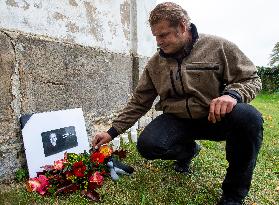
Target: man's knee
247, 123
149, 146
143, 148
152, 141
246, 116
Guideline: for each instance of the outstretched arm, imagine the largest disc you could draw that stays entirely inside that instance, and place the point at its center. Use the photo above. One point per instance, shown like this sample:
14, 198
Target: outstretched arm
138, 105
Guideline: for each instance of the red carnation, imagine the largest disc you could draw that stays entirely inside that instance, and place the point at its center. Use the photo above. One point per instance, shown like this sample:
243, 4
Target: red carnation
97, 157
79, 168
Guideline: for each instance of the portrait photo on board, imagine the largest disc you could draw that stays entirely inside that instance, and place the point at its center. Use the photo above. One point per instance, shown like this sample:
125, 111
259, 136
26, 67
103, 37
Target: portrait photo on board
59, 140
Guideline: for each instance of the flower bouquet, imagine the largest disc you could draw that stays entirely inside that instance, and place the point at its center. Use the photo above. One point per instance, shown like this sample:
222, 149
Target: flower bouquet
83, 172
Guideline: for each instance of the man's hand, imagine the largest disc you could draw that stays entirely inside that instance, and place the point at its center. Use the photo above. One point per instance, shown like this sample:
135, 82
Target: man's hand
101, 138
220, 106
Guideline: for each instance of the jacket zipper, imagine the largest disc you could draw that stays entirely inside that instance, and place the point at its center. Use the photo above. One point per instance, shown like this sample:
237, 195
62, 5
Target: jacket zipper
179, 62
172, 84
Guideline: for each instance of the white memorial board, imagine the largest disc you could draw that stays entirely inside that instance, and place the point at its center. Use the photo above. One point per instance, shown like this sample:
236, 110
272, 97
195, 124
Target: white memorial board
47, 136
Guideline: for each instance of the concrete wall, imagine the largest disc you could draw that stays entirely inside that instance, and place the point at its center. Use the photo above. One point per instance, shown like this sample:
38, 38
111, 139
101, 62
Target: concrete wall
11, 153
92, 23
66, 54
104, 24
146, 45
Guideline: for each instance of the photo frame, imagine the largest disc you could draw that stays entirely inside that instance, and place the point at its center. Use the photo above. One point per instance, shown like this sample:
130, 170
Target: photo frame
48, 135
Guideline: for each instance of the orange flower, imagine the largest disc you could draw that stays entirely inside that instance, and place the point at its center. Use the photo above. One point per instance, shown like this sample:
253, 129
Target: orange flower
105, 150
97, 178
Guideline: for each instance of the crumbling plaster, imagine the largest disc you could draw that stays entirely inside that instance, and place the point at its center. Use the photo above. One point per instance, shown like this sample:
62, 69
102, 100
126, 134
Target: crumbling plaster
97, 23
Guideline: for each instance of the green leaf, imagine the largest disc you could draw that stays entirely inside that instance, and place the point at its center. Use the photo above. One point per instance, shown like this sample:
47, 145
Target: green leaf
21, 175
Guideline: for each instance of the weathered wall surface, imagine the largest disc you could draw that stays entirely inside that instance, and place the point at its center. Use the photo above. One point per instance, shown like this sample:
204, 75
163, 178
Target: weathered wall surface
146, 42
56, 76
11, 153
97, 23
67, 54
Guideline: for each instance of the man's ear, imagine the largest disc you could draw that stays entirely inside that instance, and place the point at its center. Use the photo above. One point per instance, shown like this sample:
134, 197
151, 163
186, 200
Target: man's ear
182, 27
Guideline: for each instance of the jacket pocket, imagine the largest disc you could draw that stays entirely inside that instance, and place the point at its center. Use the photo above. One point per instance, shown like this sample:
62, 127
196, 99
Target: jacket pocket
200, 73
203, 66
202, 79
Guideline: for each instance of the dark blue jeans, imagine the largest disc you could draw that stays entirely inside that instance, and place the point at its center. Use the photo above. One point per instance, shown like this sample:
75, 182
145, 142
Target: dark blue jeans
169, 137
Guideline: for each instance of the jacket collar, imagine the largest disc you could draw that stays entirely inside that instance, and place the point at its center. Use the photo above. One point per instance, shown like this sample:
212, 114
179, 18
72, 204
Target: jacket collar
186, 49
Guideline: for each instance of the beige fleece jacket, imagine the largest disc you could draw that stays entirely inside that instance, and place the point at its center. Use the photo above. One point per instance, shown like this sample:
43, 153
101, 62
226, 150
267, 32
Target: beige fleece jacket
215, 65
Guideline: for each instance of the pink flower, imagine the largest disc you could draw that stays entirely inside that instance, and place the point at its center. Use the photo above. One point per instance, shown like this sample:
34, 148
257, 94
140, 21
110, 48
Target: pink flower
48, 167
97, 178
32, 184
58, 165
43, 180
38, 184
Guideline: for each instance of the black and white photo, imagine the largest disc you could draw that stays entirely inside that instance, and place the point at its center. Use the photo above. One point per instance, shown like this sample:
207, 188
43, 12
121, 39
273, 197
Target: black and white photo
59, 140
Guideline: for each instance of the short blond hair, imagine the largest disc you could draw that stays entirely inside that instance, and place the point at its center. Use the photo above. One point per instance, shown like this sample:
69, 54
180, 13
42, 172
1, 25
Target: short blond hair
171, 12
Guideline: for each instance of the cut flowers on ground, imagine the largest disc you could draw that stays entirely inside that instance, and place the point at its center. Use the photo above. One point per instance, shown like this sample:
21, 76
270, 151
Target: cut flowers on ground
84, 172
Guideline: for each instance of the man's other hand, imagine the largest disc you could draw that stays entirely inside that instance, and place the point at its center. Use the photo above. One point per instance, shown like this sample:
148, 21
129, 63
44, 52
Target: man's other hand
220, 106
101, 138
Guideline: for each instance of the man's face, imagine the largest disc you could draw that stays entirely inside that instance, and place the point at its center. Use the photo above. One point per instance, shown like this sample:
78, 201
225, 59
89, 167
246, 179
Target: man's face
53, 139
170, 39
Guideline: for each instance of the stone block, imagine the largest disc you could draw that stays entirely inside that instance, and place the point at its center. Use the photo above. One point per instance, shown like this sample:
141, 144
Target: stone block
58, 76
7, 63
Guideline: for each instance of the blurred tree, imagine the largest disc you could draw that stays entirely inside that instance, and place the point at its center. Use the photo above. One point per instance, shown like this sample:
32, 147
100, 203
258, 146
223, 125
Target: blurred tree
274, 57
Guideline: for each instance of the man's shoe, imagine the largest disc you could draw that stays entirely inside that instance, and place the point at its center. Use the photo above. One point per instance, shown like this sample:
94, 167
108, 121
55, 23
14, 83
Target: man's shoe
230, 201
183, 166
120, 165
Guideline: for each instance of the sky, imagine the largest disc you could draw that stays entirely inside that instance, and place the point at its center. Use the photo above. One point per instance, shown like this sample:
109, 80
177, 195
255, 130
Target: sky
253, 25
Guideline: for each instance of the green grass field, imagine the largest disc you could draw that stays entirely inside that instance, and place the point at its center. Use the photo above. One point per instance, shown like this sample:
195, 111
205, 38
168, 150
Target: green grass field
155, 182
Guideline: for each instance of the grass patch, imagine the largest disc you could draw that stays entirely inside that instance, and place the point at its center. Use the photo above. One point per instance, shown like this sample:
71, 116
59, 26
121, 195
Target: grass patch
155, 182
